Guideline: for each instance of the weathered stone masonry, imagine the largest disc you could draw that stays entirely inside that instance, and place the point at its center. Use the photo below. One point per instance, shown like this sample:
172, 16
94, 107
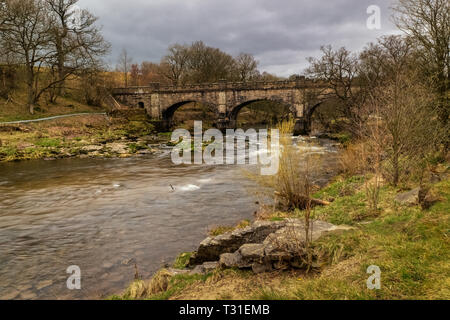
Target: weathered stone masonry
225, 99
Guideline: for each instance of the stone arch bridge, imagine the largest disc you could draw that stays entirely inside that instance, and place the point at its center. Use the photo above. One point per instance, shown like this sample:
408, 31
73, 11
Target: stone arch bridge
226, 99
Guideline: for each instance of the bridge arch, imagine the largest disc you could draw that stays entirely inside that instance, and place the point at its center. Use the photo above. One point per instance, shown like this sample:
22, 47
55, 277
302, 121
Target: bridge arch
310, 111
237, 109
308, 117
168, 114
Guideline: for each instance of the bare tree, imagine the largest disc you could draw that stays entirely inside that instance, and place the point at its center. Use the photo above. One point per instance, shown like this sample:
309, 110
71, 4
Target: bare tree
401, 108
207, 64
25, 33
174, 64
124, 65
246, 67
265, 76
8, 72
76, 39
427, 22
339, 70
135, 74
152, 72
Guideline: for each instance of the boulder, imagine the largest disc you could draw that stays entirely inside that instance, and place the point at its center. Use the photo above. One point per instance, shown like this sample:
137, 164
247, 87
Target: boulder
281, 250
205, 268
263, 247
233, 260
252, 252
411, 198
262, 267
213, 247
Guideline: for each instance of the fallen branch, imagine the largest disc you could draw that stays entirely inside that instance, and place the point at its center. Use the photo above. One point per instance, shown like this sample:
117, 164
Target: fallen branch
304, 200
317, 202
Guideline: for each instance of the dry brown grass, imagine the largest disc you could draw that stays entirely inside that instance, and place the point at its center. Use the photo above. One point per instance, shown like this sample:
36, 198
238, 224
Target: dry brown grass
238, 285
351, 159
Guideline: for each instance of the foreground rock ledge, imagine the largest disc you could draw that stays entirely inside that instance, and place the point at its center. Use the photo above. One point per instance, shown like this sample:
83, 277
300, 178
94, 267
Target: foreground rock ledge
262, 247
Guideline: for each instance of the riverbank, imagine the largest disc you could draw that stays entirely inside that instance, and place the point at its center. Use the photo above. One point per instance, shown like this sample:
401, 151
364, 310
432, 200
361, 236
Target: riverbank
409, 244
84, 136
92, 133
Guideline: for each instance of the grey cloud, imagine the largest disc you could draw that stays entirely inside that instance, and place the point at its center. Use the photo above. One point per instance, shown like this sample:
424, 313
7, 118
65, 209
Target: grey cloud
280, 33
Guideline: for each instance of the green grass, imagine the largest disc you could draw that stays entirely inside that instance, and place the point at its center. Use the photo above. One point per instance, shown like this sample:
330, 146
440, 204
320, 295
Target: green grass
271, 294
182, 261
48, 143
411, 247
135, 147
177, 284
341, 187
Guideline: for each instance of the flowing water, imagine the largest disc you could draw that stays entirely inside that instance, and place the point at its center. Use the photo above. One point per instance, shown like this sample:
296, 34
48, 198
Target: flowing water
109, 216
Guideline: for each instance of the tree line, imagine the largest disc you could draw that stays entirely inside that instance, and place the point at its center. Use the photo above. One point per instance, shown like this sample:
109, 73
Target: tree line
192, 64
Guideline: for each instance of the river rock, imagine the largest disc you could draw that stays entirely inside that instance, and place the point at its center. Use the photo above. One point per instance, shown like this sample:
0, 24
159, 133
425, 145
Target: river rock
92, 148
119, 148
213, 247
205, 268
285, 244
262, 267
175, 272
410, 198
233, 260
252, 252
281, 250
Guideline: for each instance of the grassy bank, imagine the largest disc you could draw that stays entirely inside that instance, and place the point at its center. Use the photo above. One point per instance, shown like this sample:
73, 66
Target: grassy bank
410, 245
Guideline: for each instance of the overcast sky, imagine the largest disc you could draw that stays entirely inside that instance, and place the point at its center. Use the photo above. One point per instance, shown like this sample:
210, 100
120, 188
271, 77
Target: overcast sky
280, 33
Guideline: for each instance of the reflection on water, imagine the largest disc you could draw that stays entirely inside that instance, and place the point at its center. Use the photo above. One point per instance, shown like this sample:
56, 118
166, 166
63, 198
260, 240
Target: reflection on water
106, 216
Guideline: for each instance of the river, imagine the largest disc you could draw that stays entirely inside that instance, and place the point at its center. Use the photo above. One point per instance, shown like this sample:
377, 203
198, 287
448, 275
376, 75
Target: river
108, 216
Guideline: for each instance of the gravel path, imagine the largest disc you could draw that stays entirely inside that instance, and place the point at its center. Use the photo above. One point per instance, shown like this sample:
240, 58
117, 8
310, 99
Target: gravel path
52, 118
